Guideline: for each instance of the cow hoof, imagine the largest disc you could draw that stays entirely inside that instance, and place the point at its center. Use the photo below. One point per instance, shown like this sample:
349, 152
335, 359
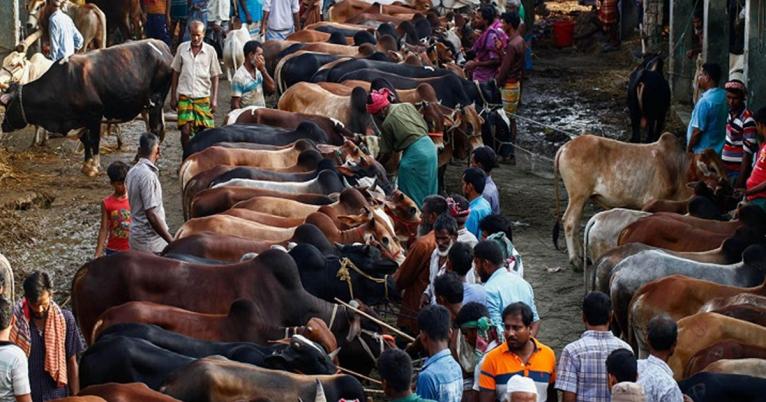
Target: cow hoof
86, 166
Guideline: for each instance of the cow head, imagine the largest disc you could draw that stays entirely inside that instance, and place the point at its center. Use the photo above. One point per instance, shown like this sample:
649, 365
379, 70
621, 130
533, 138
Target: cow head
374, 284
405, 214
379, 231
14, 118
301, 356
34, 9
13, 69
707, 167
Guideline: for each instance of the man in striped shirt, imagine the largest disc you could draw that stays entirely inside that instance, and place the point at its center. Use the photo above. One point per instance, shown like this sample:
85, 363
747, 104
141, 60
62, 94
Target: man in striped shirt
740, 145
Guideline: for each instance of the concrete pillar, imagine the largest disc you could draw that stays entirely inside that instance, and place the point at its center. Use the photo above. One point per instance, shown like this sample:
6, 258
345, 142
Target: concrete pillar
715, 48
10, 27
755, 52
680, 67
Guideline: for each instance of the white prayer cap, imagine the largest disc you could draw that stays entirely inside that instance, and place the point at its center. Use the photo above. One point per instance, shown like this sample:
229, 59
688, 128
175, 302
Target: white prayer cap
519, 383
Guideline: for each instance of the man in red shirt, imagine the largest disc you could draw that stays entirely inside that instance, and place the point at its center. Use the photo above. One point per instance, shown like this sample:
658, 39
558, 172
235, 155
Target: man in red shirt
756, 183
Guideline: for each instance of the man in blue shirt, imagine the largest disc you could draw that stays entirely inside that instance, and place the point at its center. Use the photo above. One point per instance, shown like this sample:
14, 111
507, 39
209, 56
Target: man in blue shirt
503, 288
441, 378
474, 181
395, 369
65, 39
485, 159
707, 127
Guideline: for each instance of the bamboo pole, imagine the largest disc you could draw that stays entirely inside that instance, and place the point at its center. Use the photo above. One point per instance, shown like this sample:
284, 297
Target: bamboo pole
362, 376
375, 320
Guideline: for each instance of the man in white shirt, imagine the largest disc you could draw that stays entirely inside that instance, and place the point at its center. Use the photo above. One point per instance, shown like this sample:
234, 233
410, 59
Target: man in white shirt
280, 18
654, 374
14, 375
194, 87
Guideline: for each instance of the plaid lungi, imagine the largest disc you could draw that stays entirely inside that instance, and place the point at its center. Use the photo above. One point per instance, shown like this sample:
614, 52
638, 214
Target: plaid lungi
608, 13
510, 94
195, 111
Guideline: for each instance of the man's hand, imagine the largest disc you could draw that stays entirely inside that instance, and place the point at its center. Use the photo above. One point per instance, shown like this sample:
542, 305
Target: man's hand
173, 102
260, 62
213, 105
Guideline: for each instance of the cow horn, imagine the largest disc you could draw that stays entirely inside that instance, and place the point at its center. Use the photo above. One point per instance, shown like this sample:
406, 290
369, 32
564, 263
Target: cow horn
320, 397
29, 40
334, 354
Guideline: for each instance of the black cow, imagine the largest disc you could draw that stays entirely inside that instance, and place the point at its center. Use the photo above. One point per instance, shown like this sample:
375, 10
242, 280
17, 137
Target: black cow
648, 99
83, 90
362, 37
255, 133
423, 28
147, 353
328, 276
300, 67
345, 31
715, 387
337, 38
335, 73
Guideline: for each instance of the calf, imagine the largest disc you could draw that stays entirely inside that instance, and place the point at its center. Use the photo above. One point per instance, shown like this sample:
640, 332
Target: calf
218, 379
233, 53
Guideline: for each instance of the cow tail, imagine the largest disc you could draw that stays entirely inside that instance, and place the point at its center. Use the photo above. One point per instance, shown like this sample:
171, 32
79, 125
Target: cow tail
102, 27
557, 225
589, 282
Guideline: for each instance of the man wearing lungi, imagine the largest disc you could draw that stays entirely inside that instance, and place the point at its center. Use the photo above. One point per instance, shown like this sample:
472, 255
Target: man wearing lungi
509, 77
194, 87
608, 16
404, 130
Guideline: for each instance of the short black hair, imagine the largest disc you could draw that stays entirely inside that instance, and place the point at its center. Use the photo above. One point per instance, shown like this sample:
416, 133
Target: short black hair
471, 312
461, 257
485, 157
117, 171
512, 18
496, 223
475, 177
760, 115
435, 203
251, 46
35, 284
446, 222
596, 307
662, 332
712, 70
146, 143
395, 366
5, 313
520, 309
435, 322
621, 363
488, 13
450, 287
489, 250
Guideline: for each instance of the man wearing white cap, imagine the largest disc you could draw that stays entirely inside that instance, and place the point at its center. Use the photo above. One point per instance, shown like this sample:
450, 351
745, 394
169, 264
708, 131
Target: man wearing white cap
520, 389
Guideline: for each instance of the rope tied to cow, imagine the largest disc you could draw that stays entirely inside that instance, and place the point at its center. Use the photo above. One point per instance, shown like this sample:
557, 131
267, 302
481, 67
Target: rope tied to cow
345, 275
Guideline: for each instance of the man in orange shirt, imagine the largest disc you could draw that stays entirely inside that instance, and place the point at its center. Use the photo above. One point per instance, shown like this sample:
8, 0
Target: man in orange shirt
157, 19
520, 354
412, 275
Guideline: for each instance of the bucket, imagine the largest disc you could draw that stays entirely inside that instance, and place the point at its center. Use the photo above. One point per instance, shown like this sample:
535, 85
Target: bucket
563, 33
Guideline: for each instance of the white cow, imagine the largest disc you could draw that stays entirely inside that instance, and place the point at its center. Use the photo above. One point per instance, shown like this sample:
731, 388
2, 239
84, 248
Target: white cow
233, 55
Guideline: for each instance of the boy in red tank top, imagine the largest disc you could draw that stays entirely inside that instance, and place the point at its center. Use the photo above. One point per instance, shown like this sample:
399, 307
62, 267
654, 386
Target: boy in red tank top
756, 184
115, 214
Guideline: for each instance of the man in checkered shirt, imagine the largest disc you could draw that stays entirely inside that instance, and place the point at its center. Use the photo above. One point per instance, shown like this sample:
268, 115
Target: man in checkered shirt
581, 374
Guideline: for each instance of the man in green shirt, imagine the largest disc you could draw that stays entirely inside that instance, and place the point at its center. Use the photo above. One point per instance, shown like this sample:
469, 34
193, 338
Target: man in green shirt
404, 130
395, 369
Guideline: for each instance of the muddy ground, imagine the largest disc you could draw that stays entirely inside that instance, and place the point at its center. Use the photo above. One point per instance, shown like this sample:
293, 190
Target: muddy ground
49, 211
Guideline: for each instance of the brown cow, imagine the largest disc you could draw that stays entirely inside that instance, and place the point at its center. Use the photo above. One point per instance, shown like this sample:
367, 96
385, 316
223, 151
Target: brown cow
266, 219
616, 174
131, 392
312, 36
311, 98
219, 199
215, 378
346, 10
240, 324
678, 296
727, 349
702, 330
218, 247
125, 16
676, 232
79, 399
283, 160
89, 19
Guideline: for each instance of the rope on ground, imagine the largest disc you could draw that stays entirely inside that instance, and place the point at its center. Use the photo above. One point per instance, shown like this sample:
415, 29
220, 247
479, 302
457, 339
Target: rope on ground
570, 134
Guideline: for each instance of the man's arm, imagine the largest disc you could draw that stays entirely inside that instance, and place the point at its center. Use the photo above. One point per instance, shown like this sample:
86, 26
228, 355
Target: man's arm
297, 21
248, 17
696, 133
236, 102
505, 66
296, 9
487, 396
73, 375
569, 396
214, 94
553, 395
24, 398
264, 22
78, 40
173, 89
269, 86
158, 225
103, 232
744, 170
535, 328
